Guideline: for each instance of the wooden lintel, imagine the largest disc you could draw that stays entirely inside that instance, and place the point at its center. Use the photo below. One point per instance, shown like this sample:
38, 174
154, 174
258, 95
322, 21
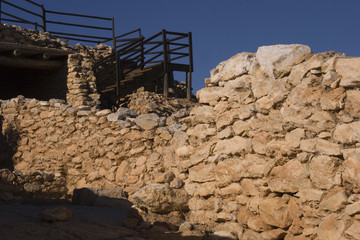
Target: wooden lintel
31, 63
31, 49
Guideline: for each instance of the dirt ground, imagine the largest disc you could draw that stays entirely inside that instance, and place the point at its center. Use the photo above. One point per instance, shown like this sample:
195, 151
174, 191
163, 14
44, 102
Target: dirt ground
22, 221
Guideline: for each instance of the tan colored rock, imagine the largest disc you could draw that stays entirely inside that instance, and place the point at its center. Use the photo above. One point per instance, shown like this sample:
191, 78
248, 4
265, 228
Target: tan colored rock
232, 189
201, 131
327, 148
213, 94
330, 228
348, 69
202, 173
235, 145
147, 121
347, 133
121, 171
294, 137
351, 172
227, 118
352, 105
334, 200
354, 230
273, 234
290, 177
203, 114
275, 212
277, 60
333, 100
323, 172
353, 208
234, 67
259, 142
310, 194
257, 224
160, 198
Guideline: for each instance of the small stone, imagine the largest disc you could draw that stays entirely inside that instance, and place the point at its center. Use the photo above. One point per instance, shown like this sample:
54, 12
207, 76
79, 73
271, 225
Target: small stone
59, 214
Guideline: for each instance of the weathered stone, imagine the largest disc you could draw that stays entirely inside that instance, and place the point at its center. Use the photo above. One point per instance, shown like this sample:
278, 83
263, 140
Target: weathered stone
351, 172
275, 212
310, 194
353, 208
202, 173
347, 133
290, 177
352, 105
257, 224
147, 121
323, 172
333, 100
277, 60
121, 171
348, 69
354, 230
330, 228
160, 198
235, 145
334, 200
232, 68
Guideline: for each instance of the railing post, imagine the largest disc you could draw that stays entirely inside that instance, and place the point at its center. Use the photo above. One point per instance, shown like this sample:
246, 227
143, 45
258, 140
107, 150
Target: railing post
117, 61
191, 68
142, 52
166, 70
43, 16
0, 9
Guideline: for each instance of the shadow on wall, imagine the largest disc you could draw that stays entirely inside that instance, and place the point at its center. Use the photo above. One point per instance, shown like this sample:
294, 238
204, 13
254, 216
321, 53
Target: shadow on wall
9, 138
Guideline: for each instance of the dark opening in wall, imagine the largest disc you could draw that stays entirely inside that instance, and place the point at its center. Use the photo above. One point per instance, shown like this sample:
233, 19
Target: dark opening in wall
33, 83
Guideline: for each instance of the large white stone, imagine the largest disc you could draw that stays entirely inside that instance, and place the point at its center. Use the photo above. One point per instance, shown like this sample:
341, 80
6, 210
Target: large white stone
234, 67
277, 60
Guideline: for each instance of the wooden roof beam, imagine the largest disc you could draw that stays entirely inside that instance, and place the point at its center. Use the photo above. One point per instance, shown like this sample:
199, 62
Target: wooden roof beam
31, 63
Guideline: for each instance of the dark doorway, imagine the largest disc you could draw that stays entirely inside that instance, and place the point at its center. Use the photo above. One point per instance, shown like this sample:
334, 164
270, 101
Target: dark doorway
33, 83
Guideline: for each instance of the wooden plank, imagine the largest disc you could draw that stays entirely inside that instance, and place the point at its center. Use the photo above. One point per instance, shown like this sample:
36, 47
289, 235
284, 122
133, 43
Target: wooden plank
31, 63
31, 49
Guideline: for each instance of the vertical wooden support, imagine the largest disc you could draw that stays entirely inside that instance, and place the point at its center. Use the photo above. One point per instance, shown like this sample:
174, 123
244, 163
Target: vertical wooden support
0, 9
43, 17
188, 85
116, 55
191, 68
166, 69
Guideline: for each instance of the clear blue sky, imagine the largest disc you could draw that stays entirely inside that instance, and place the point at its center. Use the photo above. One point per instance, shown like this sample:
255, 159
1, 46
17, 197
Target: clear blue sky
222, 28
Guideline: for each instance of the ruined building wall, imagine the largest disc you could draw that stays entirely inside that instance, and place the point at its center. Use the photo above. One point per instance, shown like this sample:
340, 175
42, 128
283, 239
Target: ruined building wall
271, 151
75, 82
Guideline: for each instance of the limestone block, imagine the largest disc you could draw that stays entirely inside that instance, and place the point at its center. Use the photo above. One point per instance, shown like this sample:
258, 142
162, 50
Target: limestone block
294, 137
330, 228
202, 173
147, 121
201, 131
227, 118
211, 94
351, 172
334, 200
353, 208
347, 133
121, 171
309, 194
236, 66
235, 145
348, 69
203, 114
323, 171
160, 198
354, 230
352, 105
277, 60
257, 224
290, 177
275, 212
333, 100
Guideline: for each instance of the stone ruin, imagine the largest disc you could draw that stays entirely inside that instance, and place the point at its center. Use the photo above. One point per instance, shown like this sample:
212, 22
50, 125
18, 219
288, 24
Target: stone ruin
271, 151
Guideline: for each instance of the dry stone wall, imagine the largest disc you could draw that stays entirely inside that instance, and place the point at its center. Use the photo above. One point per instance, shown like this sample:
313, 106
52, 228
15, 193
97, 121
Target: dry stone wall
271, 151
81, 82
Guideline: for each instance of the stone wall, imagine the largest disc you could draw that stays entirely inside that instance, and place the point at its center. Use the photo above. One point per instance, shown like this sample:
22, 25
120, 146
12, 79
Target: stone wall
271, 151
80, 79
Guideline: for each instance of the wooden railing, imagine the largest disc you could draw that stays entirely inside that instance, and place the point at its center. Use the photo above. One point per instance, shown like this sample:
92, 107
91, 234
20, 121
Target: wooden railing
34, 14
172, 50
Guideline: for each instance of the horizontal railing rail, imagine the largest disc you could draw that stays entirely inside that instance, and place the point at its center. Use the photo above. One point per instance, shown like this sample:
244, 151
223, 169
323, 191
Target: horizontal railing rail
20, 14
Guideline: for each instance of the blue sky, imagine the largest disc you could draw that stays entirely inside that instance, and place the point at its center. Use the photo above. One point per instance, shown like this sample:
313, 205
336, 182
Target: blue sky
222, 28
